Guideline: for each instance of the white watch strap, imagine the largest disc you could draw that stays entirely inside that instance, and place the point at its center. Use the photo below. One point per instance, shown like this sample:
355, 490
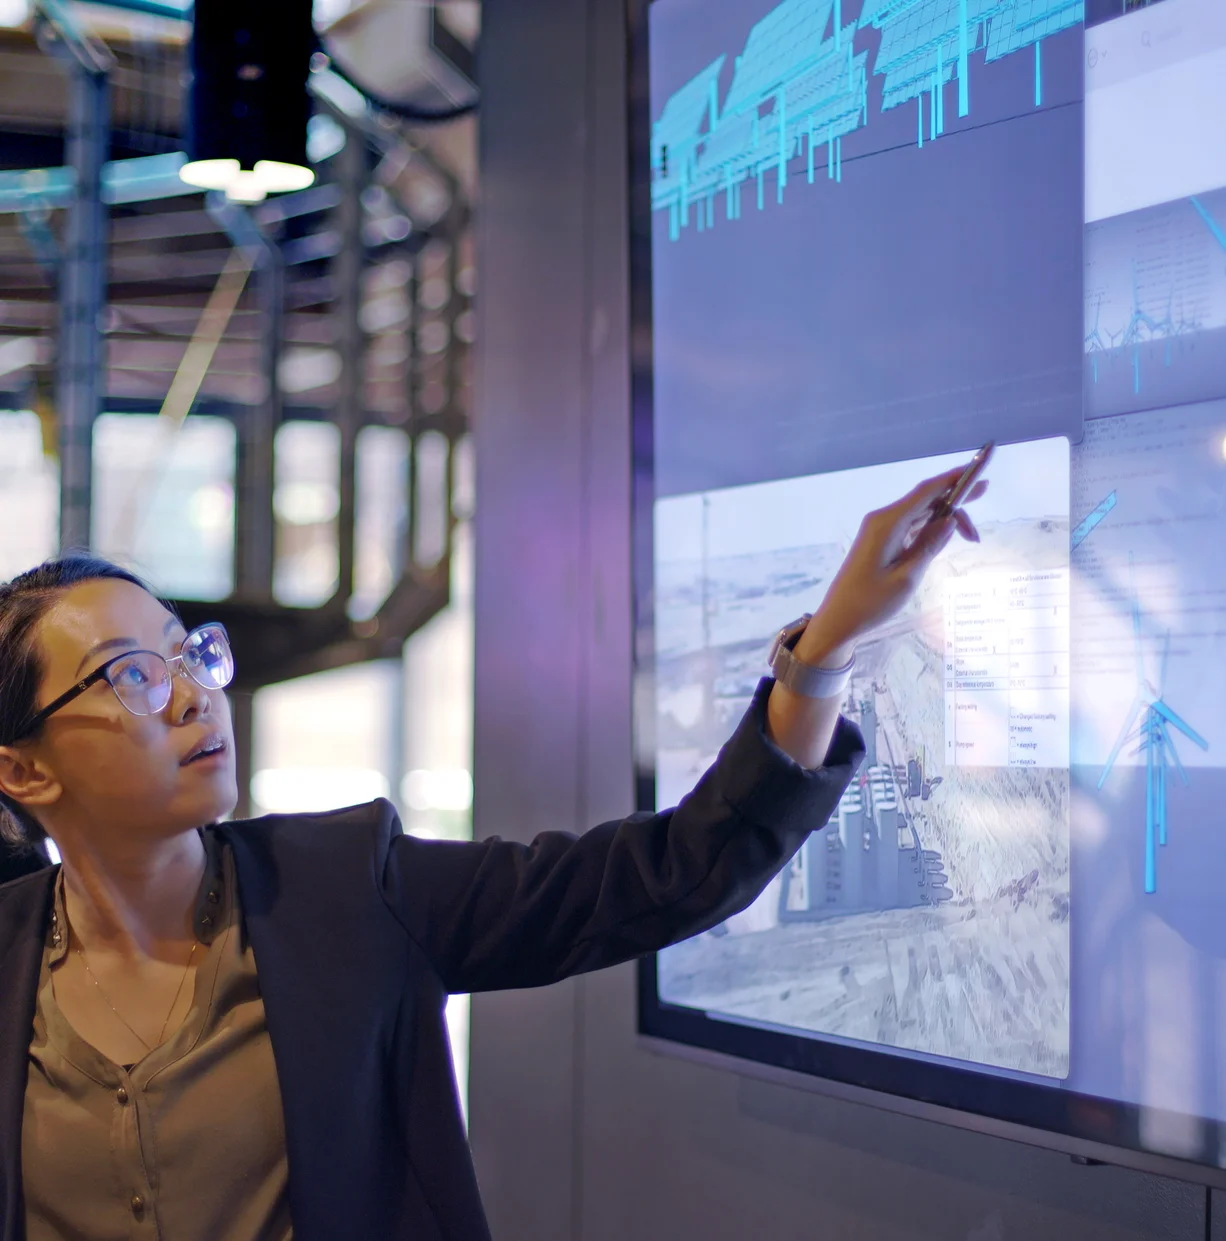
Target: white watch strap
808, 681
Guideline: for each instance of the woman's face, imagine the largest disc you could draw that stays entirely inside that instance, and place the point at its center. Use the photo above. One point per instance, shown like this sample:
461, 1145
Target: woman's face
111, 768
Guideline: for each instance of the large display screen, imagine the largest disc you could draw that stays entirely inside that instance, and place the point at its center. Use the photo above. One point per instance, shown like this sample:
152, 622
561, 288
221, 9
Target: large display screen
869, 236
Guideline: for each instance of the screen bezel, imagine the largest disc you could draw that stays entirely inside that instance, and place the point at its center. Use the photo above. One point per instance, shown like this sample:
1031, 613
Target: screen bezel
1085, 1126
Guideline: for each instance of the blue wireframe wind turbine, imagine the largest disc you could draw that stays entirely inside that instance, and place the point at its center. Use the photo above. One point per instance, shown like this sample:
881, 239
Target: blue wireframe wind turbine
1148, 723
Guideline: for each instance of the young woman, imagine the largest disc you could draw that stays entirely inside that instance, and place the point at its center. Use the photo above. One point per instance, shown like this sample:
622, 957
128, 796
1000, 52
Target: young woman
236, 1031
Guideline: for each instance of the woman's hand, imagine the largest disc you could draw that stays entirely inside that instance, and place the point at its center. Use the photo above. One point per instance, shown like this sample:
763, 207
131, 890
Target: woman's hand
883, 569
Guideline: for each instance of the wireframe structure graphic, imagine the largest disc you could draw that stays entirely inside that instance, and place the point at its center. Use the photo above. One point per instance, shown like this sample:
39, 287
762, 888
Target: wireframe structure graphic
927, 43
1091, 520
1148, 725
1026, 24
675, 138
799, 85
792, 88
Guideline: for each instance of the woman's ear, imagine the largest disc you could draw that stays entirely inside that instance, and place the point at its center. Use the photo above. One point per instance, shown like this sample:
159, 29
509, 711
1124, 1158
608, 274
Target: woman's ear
25, 779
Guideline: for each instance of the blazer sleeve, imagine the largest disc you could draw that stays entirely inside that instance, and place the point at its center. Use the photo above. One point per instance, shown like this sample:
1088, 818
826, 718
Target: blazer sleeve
496, 914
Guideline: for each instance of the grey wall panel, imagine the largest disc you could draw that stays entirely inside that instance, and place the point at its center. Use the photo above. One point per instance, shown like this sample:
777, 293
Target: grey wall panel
579, 1133
676, 1149
529, 433
1217, 1216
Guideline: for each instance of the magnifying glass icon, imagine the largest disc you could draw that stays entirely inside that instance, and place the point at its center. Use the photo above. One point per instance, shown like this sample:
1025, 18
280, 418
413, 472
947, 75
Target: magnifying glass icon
1145, 38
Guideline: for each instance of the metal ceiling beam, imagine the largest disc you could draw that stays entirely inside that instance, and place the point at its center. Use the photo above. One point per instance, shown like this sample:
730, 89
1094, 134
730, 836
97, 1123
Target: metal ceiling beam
82, 284
119, 181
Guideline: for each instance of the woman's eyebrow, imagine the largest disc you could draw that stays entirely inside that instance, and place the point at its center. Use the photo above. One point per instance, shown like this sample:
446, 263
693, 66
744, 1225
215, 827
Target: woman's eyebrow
109, 644
99, 647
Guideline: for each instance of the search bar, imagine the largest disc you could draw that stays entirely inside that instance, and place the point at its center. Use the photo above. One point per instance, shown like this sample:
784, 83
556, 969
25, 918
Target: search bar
1153, 38
1155, 83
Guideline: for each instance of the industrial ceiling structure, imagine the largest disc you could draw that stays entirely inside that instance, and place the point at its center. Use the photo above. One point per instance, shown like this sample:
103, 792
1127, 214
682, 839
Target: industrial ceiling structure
124, 290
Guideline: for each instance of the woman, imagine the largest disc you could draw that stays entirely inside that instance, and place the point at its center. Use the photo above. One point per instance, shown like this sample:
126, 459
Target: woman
237, 1031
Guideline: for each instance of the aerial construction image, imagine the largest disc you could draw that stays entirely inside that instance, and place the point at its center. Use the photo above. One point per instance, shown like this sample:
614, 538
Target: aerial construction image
932, 913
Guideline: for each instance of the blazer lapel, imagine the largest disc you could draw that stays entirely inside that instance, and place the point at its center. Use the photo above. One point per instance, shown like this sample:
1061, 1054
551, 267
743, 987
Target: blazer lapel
24, 909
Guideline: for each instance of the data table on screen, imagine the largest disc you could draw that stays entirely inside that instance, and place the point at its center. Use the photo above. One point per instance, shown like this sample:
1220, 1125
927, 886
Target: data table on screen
1007, 670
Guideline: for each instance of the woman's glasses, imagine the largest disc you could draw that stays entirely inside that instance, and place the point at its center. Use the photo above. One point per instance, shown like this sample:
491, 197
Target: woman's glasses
141, 680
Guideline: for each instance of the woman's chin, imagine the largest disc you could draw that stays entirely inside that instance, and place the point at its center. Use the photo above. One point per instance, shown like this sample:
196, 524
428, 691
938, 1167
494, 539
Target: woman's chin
207, 806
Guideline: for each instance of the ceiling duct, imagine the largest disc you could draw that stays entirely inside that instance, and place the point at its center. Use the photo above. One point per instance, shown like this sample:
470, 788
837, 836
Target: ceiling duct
409, 56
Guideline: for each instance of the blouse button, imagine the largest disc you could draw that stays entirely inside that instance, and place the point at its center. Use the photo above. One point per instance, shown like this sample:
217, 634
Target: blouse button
138, 1205
122, 1095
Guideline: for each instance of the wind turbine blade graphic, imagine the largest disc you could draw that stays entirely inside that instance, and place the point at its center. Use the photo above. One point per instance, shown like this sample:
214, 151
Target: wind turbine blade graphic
1125, 733
1211, 224
1187, 730
1168, 746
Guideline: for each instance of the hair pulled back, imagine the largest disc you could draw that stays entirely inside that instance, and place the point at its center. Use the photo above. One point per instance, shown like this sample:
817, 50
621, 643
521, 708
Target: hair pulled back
23, 603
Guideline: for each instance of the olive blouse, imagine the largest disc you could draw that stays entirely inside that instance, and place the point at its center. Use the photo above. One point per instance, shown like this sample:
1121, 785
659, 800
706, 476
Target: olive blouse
188, 1143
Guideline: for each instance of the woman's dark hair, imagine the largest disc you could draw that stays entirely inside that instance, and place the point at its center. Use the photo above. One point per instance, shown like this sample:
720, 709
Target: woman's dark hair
23, 603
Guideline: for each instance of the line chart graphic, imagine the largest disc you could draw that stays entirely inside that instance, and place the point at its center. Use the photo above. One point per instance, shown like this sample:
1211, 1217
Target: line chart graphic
800, 85
1156, 277
1148, 725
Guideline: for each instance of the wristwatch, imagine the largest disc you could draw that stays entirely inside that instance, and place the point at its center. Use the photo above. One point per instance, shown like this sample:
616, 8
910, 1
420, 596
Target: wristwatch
802, 678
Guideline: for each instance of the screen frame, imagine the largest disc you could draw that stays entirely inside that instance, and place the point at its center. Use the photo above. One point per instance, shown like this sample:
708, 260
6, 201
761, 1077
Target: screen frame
1088, 1128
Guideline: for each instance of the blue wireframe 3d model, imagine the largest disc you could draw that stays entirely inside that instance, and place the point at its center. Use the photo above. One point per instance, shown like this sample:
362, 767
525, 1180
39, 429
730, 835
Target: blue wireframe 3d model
815, 89
799, 84
1148, 724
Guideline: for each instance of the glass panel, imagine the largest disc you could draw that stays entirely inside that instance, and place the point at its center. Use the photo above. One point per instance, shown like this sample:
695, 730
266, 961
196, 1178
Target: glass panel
29, 496
164, 501
382, 514
326, 740
306, 500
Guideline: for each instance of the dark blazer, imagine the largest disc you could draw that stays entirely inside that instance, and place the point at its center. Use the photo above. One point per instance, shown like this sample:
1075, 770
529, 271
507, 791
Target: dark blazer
360, 932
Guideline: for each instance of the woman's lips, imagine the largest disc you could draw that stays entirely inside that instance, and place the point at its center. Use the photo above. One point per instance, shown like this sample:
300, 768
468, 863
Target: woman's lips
211, 747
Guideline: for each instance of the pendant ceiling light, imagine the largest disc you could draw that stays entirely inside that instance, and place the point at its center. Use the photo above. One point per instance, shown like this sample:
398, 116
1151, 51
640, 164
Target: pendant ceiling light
248, 101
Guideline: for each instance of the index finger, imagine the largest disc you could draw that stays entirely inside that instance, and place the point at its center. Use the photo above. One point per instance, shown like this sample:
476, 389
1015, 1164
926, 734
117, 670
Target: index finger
931, 489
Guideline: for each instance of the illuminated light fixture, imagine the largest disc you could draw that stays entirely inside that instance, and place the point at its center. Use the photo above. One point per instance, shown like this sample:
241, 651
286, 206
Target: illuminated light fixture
248, 102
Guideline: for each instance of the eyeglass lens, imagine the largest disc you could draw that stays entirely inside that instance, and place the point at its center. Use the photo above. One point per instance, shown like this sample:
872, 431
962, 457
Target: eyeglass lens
142, 680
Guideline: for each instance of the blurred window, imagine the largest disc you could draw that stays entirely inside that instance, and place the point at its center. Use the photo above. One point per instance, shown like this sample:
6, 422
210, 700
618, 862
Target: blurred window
29, 495
164, 501
306, 503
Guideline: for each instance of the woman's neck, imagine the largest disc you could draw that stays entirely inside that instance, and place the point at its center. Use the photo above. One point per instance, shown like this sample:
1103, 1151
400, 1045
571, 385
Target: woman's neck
131, 898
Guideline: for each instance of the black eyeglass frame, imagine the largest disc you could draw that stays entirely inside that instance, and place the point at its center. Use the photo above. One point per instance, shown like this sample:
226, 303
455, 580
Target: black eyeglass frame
100, 674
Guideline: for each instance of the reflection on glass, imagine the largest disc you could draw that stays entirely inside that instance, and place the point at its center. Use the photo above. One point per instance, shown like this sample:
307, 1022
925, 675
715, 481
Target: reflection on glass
29, 495
382, 514
306, 500
164, 501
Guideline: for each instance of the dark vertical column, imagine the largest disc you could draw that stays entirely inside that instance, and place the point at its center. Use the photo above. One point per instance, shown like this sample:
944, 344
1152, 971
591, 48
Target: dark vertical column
242, 714
413, 396
353, 169
254, 536
82, 294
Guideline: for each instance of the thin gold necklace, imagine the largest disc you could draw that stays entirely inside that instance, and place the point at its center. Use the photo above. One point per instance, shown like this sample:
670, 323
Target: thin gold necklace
116, 1011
